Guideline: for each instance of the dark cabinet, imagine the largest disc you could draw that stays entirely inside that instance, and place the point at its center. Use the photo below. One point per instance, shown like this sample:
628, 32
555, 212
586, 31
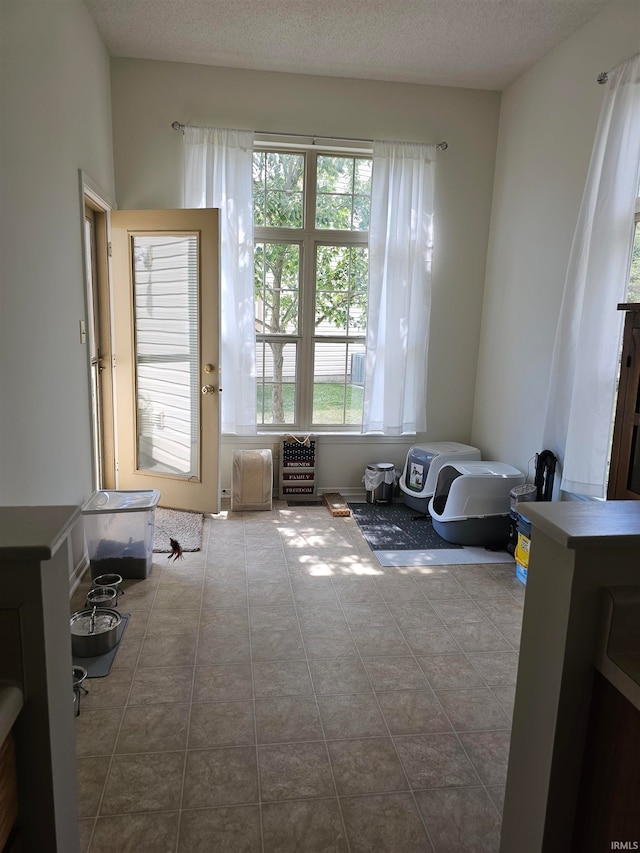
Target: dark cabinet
624, 474
607, 809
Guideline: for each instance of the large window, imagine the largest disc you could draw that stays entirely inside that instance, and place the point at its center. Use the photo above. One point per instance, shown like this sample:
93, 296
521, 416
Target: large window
311, 221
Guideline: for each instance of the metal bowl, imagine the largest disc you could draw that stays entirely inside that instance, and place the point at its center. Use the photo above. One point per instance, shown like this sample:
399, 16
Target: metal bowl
102, 596
111, 580
94, 632
79, 675
108, 580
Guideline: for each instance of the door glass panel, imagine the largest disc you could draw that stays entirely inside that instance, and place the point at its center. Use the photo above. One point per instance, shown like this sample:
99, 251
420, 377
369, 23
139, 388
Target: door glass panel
166, 353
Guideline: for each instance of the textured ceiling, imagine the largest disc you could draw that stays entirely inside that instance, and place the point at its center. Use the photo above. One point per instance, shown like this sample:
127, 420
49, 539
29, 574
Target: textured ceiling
481, 44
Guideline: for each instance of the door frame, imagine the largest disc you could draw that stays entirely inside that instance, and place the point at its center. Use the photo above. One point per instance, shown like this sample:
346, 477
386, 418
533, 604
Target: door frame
92, 196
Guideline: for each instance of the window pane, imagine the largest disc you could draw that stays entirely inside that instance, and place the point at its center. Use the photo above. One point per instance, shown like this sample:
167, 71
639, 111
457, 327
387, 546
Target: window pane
276, 382
633, 293
277, 279
278, 184
338, 382
361, 212
165, 276
341, 290
362, 176
343, 193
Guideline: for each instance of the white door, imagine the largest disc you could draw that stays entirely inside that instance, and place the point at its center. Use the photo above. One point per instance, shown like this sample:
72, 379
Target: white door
166, 348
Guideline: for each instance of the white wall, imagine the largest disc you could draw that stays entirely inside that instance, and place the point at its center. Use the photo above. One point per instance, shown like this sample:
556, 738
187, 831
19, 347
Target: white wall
148, 96
56, 118
547, 125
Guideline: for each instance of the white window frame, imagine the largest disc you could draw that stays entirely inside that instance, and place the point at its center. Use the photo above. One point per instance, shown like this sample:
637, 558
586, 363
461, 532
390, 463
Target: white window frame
308, 237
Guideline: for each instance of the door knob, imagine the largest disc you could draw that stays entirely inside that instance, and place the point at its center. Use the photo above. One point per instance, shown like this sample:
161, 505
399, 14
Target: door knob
208, 389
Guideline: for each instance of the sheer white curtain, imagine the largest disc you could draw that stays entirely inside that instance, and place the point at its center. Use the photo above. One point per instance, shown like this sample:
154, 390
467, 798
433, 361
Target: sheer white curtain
400, 241
218, 173
584, 367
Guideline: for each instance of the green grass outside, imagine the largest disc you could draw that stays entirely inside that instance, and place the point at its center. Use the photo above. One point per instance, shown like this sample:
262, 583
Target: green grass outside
328, 404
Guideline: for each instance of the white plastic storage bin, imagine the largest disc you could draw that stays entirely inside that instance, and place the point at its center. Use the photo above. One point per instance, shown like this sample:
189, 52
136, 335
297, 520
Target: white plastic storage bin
421, 467
471, 502
118, 527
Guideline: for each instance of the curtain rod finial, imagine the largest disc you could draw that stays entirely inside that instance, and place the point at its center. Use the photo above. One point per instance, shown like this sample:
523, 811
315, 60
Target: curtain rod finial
442, 146
602, 78
177, 126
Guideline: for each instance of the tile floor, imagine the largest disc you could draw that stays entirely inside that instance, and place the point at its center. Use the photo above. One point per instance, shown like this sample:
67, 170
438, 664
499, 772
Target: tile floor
280, 691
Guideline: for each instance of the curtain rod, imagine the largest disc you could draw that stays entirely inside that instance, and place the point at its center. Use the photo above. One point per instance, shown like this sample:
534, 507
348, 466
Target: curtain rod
441, 146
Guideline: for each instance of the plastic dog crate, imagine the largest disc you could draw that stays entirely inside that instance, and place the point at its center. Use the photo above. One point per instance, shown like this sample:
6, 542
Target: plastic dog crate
118, 527
421, 467
471, 502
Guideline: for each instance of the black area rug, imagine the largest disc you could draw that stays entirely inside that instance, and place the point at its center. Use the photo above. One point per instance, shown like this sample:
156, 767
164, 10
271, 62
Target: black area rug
397, 527
100, 665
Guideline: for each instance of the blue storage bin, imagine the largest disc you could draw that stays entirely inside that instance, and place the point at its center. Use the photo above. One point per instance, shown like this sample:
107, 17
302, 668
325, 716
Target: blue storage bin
524, 526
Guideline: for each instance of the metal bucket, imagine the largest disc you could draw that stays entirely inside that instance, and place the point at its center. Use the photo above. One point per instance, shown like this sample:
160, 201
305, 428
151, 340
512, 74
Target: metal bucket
94, 632
379, 480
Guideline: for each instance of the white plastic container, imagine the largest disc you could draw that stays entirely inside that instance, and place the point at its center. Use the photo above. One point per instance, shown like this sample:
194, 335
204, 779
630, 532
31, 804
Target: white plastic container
118, 528
471, 503
421, 467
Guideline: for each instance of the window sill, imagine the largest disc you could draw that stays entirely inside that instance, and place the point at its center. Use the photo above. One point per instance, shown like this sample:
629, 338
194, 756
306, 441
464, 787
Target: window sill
326, 437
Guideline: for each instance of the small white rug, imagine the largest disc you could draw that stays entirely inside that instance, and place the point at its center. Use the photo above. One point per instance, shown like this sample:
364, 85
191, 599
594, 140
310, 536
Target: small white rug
185, 527
443, 557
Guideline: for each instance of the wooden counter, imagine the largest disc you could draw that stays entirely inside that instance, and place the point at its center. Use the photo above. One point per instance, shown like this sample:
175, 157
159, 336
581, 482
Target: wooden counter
577, 549
35, 653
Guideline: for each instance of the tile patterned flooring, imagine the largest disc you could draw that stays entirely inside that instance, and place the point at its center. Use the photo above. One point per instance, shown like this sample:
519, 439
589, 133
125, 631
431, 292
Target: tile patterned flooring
280, 691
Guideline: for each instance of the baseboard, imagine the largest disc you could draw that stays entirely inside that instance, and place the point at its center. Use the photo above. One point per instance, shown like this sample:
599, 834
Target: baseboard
353, 493
78, 573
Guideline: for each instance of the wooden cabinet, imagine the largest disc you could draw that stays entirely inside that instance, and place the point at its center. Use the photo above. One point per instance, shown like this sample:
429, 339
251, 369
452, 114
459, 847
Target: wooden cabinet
8, 790
624, 476
607, 810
